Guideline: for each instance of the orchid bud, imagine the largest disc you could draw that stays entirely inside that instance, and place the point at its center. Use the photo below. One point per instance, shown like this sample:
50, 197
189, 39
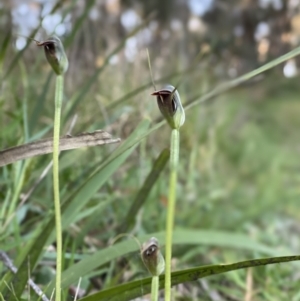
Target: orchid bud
152, 257
170, 106
55, 54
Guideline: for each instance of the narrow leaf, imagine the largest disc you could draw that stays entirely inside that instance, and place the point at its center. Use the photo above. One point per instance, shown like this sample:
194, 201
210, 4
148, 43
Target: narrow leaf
143, 193
69, 209
134, 289
183, 237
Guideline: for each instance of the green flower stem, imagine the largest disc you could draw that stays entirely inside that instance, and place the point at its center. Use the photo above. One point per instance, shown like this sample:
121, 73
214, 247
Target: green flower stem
58, 103
154, 288
174, 157
154, 262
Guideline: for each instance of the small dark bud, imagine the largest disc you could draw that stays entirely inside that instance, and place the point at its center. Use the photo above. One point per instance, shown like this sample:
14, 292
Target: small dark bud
170, 106
55, 54
152, 257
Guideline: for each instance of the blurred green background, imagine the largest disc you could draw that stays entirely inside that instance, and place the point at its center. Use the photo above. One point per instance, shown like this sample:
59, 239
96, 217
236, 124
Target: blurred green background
239, 159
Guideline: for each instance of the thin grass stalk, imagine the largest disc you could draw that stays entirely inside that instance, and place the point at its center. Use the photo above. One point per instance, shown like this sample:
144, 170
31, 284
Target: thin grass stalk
56, 57
174, 157
25, 101
154, 288
57, 114
21, 167
20, 170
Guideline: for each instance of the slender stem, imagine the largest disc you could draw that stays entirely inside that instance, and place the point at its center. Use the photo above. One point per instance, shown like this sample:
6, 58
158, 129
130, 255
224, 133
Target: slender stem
25, 100
174, 157
21, 169
154, 288
58, 102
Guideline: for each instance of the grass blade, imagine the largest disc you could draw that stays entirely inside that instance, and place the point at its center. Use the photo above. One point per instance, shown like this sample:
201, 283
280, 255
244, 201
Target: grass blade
143, 87
29, 41
78, 24
131, 290
227, 86
69, 209
143, 193
4, 47
83, 90
208, 238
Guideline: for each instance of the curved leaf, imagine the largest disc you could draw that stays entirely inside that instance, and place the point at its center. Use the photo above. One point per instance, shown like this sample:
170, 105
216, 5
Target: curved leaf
70, 207
210, 238
143, 193
131, 290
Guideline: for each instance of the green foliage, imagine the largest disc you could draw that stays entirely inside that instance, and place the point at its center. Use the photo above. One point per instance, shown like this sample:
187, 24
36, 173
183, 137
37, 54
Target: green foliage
238, 176
127, 292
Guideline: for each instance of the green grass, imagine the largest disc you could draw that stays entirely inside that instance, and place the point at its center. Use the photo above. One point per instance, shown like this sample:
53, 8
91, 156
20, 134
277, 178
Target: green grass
238, 180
